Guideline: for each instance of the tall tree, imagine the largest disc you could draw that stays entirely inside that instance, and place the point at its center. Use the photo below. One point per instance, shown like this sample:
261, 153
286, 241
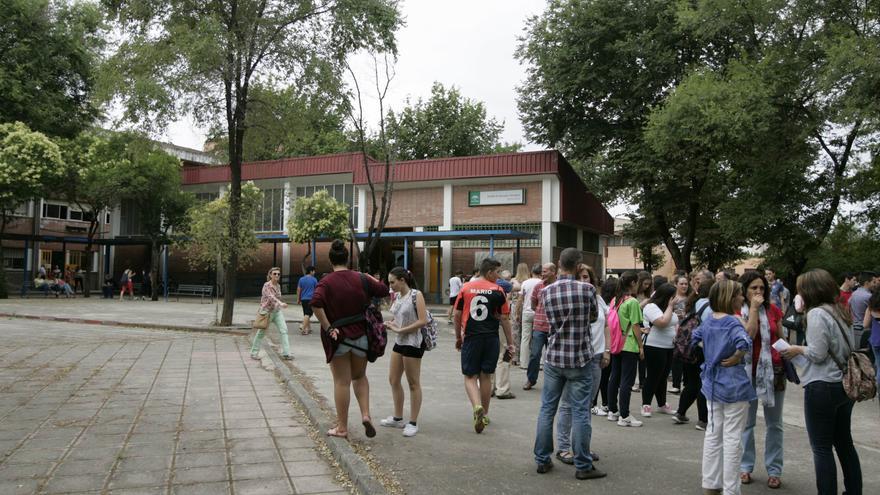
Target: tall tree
447, 124
48, 55
319, 215
30, 164
204, 57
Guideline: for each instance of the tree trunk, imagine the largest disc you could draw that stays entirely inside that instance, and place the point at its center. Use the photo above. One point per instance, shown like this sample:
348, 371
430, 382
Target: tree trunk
236, 135
154, 270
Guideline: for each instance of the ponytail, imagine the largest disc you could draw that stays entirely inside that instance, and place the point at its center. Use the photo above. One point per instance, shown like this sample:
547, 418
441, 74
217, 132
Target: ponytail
404, 274
626, 279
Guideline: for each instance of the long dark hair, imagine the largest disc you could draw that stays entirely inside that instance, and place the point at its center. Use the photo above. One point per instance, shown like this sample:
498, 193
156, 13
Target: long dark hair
400, 272
642, 276
338, 253
609, 288
701, 293
749, 277
626, 279
662, 296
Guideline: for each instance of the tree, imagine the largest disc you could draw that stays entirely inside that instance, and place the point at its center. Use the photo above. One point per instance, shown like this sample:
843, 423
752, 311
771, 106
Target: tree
48, 54
29, 164
152, 183
207, 241
204, 57
318, 216
448, 124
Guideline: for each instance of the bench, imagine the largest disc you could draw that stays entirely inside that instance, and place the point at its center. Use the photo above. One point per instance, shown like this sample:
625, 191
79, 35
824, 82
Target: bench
194, 290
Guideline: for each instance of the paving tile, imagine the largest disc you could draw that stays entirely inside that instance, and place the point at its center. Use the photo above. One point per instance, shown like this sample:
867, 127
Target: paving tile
262, 487
154, 463
314, 484
26, 455
91, 466
18, 487
263, 470
254, 456
248, 433
9, 472
217, 488
204, 474
137, 479
201, 445
79, 483
200, 459
243, 444
308, 468
306, 454
294, 442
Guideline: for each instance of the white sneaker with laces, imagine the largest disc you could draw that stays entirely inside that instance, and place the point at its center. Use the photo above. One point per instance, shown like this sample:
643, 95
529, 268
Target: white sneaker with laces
628, 421
392, 423
613, 416
594, 411
666, 409
601, 411
410, 430
646, 411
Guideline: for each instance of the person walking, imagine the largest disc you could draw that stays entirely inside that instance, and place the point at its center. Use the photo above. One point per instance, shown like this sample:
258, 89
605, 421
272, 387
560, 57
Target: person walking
827, 408
410, 315
540, 326
126, 283
625, 364
305, 289
479, 311
767, 374
601, 360
455, 284
661, 323
692, 392
341, 294
526, 315
501, 377
570, 306
523, 273
727, 387
271, 304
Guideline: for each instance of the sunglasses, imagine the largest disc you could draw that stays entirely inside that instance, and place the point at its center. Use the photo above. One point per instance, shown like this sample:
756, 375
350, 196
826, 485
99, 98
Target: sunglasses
276, 274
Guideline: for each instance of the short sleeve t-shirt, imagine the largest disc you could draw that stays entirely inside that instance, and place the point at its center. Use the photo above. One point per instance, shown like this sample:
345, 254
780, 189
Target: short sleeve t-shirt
481, 303
526, 294
661, 337
307, 286
630, 314
454, 286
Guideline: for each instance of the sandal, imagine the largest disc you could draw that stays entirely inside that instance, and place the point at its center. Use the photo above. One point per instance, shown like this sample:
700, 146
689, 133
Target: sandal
565, 457
745, 478
368, 428
334, 432
774, 482
479, 415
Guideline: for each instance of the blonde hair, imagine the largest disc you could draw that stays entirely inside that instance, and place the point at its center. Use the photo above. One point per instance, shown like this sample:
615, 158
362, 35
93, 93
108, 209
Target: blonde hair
269, 273
817, 287
722, 294
523, 272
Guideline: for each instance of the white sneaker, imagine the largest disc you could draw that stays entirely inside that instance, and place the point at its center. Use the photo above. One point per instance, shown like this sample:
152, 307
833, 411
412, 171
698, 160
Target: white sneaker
646, 411
410, 430
601, 411
594, 411
666, 409
612, 416
392, 423
628, 421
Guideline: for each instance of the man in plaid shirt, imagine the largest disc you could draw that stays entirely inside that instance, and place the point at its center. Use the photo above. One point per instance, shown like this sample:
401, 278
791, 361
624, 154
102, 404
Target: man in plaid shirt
570, 306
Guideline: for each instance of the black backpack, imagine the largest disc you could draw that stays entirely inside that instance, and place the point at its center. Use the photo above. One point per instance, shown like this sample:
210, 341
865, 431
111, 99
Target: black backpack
681, 344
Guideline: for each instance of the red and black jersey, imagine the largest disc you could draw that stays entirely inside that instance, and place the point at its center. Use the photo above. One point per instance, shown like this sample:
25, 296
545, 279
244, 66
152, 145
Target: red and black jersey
481, 303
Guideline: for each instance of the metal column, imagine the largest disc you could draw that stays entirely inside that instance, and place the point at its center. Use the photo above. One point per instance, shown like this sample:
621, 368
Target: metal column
25, 278
165, 270
517, 257
406, 253
314, 247
491, 246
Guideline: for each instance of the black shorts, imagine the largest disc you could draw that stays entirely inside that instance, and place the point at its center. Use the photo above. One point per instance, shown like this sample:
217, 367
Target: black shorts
307, 308
479, 354
409, 351
452, 300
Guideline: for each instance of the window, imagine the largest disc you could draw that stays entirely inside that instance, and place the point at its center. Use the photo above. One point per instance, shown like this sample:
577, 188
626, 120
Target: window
206, 197
619, 241
13, 258
590, 242
566, 236
22, 210
129, 219
51, 210
270, 215
76, 259
344, 193
531, 228
82, 216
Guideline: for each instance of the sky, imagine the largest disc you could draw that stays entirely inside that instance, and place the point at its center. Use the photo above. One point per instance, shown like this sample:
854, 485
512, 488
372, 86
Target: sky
461, 43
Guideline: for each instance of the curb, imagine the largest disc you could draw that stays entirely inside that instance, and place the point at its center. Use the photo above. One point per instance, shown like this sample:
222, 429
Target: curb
357, 469
150, 326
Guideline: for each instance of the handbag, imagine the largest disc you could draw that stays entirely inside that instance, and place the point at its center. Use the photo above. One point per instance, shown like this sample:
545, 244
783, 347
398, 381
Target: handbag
859, 375
261, 322
377, 335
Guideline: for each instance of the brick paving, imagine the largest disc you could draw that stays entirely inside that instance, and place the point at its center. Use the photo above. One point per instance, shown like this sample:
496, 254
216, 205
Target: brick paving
87, 409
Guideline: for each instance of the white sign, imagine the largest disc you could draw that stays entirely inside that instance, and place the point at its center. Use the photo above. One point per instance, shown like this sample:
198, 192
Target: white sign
489, 198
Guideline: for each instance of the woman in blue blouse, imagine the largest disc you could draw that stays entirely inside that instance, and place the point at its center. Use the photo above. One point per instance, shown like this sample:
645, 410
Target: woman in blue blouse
726, 386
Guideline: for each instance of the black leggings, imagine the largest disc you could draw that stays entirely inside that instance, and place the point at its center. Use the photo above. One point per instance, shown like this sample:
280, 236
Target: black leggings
603, 386
624, 367
691, 392
657, 361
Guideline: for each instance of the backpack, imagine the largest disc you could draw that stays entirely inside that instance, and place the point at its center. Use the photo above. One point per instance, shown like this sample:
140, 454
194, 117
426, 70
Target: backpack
617, 333
377, 336
429, 330
859, 376
681, 344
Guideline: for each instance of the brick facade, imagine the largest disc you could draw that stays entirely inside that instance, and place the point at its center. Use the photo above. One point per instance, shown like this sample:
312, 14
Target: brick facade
413, 207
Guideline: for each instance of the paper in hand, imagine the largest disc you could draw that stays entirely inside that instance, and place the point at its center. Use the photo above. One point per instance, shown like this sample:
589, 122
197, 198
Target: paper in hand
780, 345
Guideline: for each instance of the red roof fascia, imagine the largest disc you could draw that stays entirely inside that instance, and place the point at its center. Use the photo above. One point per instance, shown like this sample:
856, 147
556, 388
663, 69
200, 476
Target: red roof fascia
502, 165
343, 163
578, 205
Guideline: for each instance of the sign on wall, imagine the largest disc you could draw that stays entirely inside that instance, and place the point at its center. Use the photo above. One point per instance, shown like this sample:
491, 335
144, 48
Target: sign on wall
493, 198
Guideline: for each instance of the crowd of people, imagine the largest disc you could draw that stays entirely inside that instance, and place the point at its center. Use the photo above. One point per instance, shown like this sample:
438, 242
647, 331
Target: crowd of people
716, 335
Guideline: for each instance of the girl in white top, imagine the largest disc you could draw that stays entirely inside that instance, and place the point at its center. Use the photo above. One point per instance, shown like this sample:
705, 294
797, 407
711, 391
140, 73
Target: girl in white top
410, 315
662, 322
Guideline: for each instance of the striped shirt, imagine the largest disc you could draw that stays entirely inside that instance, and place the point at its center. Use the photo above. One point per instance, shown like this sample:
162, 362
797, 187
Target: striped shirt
568, 304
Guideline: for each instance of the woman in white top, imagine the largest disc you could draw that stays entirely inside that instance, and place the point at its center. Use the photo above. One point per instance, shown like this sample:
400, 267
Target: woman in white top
410, 315
661, 322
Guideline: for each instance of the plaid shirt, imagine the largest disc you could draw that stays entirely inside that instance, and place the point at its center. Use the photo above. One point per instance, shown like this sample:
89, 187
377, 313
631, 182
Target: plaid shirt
540, 323
568, 305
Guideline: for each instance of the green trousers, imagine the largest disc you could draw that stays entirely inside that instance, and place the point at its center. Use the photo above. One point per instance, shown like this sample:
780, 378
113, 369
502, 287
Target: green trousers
275, 318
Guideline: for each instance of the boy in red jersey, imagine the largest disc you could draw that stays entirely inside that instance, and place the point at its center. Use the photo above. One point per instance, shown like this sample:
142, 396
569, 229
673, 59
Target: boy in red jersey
484, 306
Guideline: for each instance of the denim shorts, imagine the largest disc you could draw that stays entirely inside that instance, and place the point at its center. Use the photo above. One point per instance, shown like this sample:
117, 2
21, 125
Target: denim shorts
479, 354
360, 342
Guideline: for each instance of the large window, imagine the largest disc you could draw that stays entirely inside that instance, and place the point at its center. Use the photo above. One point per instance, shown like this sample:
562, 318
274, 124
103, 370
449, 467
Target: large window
566, 236
270, 215
52, 210
13, 258
129, 219
82, 216
619, 241
206, 197
344, 193
531, 228
591, 242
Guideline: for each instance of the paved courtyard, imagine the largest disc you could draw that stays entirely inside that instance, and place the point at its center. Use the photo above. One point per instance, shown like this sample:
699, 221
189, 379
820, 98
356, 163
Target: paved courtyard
93, 409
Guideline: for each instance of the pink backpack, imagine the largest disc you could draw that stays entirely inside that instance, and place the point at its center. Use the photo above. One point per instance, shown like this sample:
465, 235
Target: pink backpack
617, 334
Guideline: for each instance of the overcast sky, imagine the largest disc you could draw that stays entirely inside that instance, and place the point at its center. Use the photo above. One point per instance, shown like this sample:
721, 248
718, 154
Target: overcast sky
468, 44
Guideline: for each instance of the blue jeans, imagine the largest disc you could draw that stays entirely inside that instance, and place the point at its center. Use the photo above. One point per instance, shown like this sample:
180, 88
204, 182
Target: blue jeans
563, 421
828, 414
539, 340
580, 385
877, 361
773, 441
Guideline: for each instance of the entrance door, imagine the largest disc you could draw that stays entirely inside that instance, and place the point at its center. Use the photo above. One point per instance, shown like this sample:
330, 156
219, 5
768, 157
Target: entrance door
433, 284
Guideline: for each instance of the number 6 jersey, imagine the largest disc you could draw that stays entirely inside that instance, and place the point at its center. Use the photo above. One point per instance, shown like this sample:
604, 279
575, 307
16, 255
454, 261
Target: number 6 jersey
481, 303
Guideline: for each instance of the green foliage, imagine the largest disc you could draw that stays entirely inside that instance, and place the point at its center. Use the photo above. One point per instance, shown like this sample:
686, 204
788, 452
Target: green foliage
30, 164
319, 215
49, 51
207, 238
848, 248
448, 124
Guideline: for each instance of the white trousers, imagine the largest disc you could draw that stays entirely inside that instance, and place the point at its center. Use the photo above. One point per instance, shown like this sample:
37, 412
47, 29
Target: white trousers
525, 344
722, 446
